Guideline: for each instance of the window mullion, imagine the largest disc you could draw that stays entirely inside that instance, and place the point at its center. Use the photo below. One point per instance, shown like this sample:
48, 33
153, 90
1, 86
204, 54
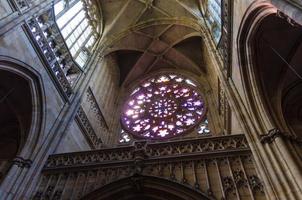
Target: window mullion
75, 41
73, 30
67, 7
71, 19
83, 45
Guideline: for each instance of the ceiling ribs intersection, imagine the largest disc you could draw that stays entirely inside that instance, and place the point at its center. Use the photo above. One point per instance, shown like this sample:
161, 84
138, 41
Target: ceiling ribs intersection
156, 48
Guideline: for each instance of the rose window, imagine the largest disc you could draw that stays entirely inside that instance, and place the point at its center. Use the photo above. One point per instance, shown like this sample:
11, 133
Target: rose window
163, 107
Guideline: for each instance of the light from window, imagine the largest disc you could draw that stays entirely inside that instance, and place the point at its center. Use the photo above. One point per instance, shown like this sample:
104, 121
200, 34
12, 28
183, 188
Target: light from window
213, 18
75, 28
203, 128
124, 138
163, 107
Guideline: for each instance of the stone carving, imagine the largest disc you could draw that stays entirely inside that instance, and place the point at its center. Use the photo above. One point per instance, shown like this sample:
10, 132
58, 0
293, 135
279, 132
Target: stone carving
93, 15
96, 109
228, 185
139, 154
89, 132
177, 161
221, 102
152, 150
239, 178
21, 4
270, 136
48, 40
225, 44
274, 133
255, 184
22, 163
287, 18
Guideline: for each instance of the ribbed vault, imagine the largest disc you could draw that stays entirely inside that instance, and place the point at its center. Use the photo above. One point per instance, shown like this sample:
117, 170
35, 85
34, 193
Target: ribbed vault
150, 35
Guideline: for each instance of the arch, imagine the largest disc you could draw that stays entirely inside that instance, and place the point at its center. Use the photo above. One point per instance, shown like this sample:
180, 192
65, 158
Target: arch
264, 63
21, 91
145, 187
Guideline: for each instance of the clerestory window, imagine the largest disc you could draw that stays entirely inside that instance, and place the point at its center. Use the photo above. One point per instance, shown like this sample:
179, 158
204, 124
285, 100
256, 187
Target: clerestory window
75, 26
213, 18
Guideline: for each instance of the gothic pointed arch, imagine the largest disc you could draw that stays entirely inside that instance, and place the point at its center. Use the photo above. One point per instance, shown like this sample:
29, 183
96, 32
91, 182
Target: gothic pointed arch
269, 67
21, 118
145, 187
267, 45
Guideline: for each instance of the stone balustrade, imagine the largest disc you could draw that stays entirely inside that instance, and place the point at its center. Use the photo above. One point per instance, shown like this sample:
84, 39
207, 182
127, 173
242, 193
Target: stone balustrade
220, 167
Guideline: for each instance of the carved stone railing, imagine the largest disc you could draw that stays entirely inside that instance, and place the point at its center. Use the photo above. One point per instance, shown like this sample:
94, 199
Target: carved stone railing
94, 141
220, 167
49, 42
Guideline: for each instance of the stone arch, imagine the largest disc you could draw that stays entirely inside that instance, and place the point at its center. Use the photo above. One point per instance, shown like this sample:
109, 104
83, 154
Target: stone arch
263, 72
145, 187
265, 62
21, 91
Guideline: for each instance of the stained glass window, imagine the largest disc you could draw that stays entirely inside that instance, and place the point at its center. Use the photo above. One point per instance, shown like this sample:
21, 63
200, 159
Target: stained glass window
213, 18
203, 128
124, 137
164, 106
79, 35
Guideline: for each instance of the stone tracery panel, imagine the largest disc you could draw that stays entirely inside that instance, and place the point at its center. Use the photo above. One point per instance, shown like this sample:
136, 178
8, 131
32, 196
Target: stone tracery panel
163, 106
221, 167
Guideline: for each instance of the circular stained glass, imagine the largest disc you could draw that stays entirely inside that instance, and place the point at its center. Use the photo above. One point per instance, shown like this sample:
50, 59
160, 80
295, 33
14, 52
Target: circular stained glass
162, 107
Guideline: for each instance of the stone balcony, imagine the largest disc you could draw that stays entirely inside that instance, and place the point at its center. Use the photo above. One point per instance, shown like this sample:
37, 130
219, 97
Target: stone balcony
216, 167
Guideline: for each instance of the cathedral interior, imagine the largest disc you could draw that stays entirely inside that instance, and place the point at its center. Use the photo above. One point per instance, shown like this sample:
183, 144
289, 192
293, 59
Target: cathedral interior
151, 99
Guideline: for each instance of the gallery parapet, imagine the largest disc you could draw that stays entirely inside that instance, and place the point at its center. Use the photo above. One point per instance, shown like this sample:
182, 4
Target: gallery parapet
153, 151
50, 44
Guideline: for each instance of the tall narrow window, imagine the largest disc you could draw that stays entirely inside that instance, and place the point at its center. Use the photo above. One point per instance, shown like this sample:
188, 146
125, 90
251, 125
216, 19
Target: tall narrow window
213, 18
79, 34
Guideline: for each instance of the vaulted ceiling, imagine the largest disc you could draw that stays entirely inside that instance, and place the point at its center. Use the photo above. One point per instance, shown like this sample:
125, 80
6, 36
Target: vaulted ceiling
149, 35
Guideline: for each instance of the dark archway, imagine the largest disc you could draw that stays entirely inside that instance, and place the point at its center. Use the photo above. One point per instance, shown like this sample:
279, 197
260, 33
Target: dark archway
21, 117
268, 41
15, 117
278, 54
269, 54
145, 187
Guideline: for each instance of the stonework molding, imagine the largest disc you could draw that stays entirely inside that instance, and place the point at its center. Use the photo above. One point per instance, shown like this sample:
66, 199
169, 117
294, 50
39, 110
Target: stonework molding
256, 113
196, 163
256, 184
149, 186
22, 162
20, 5
94, 106
239, 178
47, 39
288, 19
90, 134
275, 133
270, 136
148, 150
225, 43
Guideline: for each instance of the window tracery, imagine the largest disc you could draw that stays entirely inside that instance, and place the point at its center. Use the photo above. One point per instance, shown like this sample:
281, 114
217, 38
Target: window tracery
213, 18
124, 137
164, 106
203, 128
77, 28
